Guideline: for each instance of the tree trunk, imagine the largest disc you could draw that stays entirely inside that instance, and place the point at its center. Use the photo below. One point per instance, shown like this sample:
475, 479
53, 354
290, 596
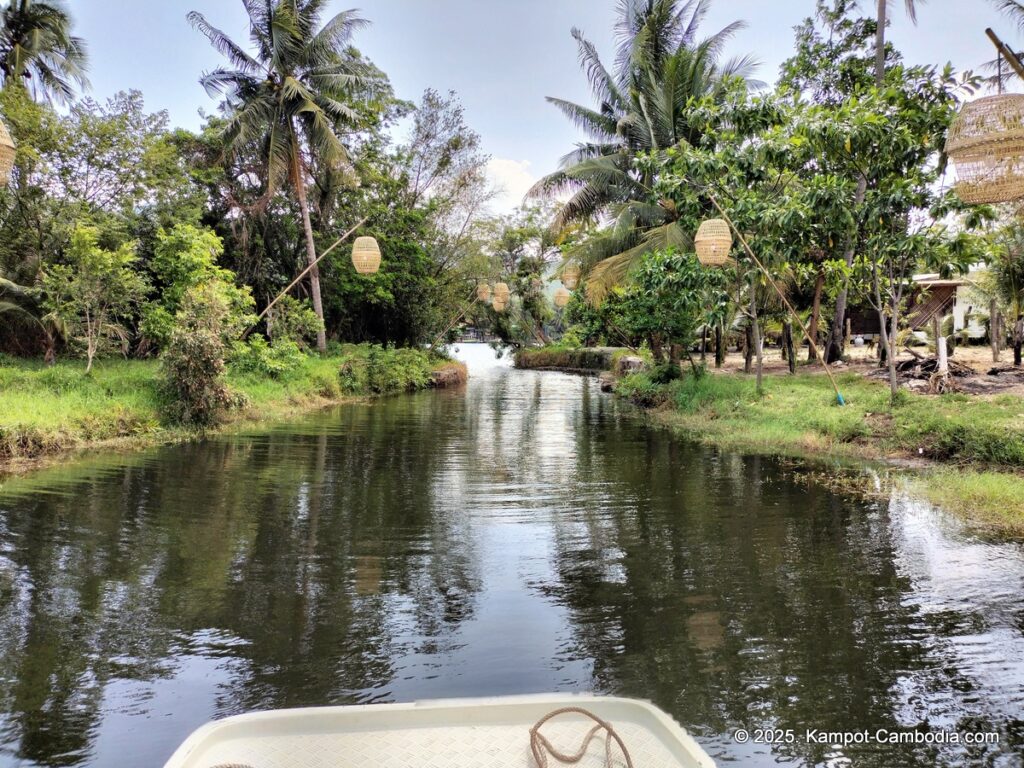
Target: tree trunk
756, 337
704, 344
993, 329
656, 351
748, 347
307, 226
1018, 340
880, 43
888, 344
834, 348
819, 286
787, 338
719, 346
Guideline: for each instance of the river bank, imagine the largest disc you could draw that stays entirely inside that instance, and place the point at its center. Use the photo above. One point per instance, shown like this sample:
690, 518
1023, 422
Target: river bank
966, 452
48, 412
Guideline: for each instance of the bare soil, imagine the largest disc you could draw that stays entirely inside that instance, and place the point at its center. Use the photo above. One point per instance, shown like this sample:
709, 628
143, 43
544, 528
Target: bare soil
863, 360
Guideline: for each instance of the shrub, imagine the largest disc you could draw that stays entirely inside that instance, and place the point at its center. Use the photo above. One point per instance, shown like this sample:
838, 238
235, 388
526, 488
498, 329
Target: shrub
293, 321
193, 362
275, 360
663, 374
640, 389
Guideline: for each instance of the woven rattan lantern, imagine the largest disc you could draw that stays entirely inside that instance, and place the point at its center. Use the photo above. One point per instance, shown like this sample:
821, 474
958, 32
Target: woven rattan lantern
571, 275
483, 292
6, 154
366, 255
713, 242
498, 305
986, 144
502, 292
562, 297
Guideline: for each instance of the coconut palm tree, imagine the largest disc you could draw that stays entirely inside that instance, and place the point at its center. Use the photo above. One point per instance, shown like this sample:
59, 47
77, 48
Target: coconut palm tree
292, 95
642, 106
38, 49
882, 19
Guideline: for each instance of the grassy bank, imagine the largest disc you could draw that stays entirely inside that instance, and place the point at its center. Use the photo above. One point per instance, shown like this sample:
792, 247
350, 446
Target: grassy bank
50, 410
582, 359
977, 443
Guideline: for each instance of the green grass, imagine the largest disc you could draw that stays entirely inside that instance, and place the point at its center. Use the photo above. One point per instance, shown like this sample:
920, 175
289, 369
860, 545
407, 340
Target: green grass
48, 410
568, 358
989, 499
983, 439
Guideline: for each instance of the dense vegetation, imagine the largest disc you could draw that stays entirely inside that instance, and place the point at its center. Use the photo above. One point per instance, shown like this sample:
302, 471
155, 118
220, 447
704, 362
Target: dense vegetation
122, 236
836, 176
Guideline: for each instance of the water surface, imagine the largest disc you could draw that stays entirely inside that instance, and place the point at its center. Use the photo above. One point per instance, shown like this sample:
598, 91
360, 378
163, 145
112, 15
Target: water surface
525, 534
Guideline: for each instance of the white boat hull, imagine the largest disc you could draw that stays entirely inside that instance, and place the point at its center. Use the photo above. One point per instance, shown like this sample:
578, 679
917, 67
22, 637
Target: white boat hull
460, 733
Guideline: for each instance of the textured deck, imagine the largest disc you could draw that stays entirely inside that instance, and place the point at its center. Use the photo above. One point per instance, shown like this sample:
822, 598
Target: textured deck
467, 747
490, 733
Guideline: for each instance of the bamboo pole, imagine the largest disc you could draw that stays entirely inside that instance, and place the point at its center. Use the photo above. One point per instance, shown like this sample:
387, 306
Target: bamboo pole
302, 274
453, 322
1008, 53
814, 347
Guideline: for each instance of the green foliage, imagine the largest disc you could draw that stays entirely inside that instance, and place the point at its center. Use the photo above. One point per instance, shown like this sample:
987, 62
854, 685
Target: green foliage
643, 105
256, 356
566, 358
641, 389
668, 298
193, 363
380, 371
39, 48
184, 258
293, 321
94, 291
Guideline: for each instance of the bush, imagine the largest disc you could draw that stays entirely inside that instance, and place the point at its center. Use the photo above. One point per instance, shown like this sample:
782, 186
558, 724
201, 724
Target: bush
396, 370
256, 356
378, 371
640, 389
664, 373
193, 362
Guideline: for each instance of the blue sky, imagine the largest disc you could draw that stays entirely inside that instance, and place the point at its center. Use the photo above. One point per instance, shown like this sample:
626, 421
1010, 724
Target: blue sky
501, 56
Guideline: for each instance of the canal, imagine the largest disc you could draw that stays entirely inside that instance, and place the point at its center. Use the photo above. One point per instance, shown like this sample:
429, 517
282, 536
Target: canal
525, 534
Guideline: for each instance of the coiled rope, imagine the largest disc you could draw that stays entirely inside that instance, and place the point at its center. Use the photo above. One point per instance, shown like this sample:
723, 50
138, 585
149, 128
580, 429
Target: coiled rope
541, 747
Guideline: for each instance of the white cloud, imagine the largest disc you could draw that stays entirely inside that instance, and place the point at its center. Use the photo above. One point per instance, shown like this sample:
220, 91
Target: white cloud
512, 179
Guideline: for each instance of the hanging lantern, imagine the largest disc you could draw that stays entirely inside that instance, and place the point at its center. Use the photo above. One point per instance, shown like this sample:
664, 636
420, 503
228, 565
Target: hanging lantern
502, 292
562, 297
571, 275
713, 242
498, 305
366, 255
483, 292
6, 154
986, 144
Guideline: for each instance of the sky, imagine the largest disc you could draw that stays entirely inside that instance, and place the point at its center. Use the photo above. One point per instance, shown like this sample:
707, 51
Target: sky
502, 57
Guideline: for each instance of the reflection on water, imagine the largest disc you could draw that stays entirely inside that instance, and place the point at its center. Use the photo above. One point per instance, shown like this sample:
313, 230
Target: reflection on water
526, 534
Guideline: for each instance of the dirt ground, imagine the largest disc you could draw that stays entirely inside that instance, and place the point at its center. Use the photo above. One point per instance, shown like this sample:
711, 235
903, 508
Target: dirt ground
864, 360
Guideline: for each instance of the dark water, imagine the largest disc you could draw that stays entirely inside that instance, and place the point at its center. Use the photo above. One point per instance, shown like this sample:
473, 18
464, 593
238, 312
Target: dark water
525, 535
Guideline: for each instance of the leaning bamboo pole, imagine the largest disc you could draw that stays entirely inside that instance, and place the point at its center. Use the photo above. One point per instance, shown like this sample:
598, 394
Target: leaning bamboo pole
814, 347
302, 274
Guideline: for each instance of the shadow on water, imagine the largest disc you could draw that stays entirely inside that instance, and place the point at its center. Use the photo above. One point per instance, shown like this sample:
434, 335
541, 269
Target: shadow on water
524, 534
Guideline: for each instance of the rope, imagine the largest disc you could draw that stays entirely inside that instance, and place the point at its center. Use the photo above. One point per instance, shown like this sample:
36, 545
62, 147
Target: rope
541, 747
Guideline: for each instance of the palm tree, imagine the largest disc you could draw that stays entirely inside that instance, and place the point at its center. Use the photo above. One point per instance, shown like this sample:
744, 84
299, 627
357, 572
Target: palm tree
882, 21
38, 49
292, 95
642, 106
